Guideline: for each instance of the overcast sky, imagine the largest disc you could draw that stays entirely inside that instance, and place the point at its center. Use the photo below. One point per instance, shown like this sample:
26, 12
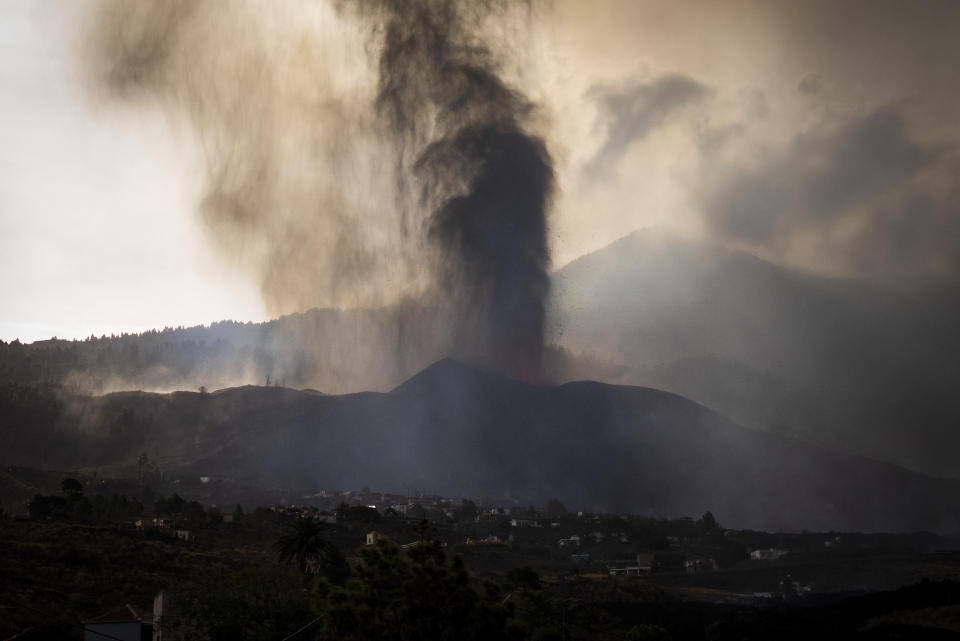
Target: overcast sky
822, 135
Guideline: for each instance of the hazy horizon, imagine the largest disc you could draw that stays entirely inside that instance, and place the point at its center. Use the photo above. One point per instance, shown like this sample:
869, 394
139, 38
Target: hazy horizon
820, 136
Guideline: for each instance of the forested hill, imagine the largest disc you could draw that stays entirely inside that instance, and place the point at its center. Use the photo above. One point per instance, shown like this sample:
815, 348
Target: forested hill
337, 351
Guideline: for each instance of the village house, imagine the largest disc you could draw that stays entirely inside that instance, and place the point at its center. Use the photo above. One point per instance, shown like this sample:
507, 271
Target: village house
769, 554
572, 540
491, 539
374, 536
631, 570
699, 564
524, 523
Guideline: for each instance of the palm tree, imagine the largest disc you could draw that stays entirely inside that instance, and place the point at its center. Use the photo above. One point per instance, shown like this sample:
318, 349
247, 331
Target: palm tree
304, 544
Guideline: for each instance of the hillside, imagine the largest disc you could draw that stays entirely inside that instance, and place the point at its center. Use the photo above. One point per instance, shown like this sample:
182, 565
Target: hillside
459, 431
333, 350
864, 366
860, 366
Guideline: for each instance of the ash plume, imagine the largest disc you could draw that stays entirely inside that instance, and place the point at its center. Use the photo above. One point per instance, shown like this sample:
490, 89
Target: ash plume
485, 180
372, 157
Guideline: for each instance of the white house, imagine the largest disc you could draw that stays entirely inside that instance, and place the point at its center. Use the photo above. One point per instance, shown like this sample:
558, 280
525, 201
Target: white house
524, 523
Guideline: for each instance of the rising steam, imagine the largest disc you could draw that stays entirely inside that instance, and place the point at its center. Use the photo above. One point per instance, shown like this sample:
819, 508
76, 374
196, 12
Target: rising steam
296, 128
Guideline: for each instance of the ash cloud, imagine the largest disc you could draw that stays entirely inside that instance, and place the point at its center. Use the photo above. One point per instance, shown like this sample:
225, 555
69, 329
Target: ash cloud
291, 159
811, 84
877, 198
373, 157
485, 180
632, 111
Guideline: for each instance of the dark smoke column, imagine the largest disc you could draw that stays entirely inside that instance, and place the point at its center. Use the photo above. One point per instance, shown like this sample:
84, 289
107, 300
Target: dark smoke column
486, 182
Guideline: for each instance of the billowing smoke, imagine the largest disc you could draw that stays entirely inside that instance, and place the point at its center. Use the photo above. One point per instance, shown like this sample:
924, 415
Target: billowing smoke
277, 97
296, 117
485, 180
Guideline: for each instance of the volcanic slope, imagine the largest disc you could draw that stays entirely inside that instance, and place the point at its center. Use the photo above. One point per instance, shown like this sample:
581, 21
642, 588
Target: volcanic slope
866, 366
459, 431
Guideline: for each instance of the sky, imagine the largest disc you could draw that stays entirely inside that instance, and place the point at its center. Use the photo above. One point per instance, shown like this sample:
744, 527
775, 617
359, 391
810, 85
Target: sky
242, 174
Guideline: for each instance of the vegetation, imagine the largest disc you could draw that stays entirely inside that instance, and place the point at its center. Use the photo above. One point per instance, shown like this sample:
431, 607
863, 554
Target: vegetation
303, 543
257, 603
266, 573
418, 593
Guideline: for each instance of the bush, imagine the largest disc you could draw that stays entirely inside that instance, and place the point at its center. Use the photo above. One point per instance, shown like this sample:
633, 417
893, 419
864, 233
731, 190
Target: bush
416, 593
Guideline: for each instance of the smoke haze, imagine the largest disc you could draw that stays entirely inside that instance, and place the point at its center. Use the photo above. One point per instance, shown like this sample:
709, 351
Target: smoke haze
293, 164
413, 169
299, 189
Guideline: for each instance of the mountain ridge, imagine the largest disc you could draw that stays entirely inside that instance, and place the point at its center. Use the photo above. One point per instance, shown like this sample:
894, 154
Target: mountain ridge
847, 364
458, 431
839, 361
